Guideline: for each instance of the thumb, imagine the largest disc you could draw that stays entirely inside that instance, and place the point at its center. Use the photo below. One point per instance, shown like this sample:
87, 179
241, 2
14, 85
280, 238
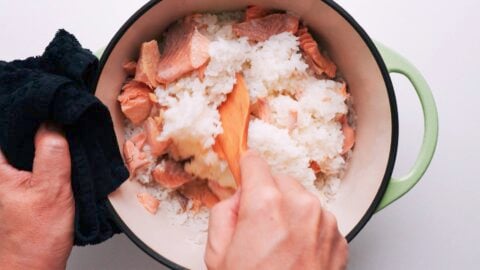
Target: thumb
222, 224
51, 165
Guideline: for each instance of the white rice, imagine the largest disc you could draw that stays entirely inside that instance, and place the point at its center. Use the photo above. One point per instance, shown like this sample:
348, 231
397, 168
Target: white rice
274, 70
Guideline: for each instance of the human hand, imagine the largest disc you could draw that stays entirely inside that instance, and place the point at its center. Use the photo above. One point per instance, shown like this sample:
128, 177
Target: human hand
272, 223
37, 208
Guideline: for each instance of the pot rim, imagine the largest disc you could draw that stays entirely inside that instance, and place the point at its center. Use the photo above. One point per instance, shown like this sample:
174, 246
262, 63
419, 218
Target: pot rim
393, 109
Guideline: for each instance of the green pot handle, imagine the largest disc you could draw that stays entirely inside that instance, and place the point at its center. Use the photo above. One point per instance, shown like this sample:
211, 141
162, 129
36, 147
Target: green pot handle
397, 187
98, 53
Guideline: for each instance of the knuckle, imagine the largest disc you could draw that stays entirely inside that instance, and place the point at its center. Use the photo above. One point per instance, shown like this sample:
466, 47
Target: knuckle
309, 206
310, 202
330, 221
267, 201
270, 197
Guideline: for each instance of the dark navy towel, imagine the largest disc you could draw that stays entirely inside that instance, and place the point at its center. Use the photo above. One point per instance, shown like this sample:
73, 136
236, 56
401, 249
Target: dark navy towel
57, 87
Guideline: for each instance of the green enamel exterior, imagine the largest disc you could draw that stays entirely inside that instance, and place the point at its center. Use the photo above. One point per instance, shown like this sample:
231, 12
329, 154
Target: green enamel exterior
99, 53
397, 187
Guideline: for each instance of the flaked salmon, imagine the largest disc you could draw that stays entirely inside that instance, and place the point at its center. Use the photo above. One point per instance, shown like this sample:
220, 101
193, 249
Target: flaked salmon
262, 29
256, 12
196, 206
261, 109
186, 50
221, 192
130, 68
153, 98
153, 129
147, 64
149, 202
170, 174
234, 115
196, 19
348, 133
134, 158
201, 71
318, 63
343, 90
135, 102
139, 140
315, 166
198, 191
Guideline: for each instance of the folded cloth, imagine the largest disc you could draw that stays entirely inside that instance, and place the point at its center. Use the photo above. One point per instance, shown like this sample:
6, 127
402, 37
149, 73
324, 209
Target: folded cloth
58, 87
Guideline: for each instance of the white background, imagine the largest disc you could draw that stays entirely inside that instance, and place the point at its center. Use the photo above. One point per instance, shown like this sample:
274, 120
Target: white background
436, 225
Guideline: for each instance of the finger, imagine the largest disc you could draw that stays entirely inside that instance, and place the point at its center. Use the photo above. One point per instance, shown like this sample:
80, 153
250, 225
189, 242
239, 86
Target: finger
6, 170
223, 218
302, 206
51, 165
288, 185
340, 260
255, 172
221, 227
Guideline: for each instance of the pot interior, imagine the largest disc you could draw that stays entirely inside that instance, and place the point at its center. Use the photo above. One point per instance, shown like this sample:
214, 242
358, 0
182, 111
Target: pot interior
355, 61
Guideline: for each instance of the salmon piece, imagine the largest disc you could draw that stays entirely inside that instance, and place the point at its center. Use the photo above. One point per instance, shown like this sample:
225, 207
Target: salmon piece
315, 166
316, 69
135, 102
194, 18
196, 206
147, 64
139, 140
156, 110
261, 109
149, 202
234, 115
130, 68
153, 98
318, 63
349, 134
262, 29
134, 158
221, 192
153, 129
201, 71
158, 120
185, 51
343, 90
170, 174
256, 12
198, 191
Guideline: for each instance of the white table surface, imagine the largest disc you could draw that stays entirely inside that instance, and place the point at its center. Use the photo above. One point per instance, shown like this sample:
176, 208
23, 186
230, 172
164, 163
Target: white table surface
436, 225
